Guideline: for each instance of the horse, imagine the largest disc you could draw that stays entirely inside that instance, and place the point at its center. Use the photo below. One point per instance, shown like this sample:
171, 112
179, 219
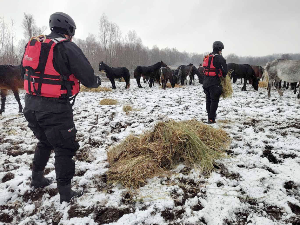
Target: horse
184, 71
201, 73
258, 70
148, 71
243, 71
11, 77
166, 74
192, 74
282, 69
112, 73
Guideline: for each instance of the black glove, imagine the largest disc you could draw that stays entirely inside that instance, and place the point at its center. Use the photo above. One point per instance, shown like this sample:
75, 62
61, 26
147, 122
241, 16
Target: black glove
98, 80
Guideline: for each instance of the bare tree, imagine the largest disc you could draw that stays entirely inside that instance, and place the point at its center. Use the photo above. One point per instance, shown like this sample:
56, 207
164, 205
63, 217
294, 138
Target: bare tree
30, 28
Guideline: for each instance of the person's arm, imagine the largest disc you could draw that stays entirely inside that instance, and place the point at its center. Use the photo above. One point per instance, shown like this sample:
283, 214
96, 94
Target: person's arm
221, 64
224, 67
69, 59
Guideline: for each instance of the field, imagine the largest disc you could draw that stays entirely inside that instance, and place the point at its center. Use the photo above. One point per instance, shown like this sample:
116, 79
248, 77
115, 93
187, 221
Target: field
258, 183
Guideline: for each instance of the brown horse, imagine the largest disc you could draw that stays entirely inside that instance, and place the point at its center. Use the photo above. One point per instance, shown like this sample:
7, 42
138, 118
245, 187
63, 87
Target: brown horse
201, 74
258, 70
166, 74
11, 77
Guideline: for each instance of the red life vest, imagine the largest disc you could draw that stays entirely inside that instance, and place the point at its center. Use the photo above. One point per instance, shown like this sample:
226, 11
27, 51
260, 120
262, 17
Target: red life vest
40, 77
209, 69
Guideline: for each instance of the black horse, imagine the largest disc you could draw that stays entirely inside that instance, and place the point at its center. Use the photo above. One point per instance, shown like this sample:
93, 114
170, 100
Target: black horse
184, 71
192, 74
11, 78
243, 71
112, 73
148, 71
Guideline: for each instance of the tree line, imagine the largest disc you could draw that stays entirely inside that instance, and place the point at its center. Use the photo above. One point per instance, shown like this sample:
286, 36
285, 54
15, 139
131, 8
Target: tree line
114, 48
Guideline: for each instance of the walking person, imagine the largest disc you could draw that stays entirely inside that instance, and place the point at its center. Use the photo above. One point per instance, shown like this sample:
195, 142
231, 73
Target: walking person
214, 67
54, 67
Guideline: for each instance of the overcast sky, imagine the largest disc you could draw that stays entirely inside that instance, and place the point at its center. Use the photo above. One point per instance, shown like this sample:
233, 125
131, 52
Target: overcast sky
246, 27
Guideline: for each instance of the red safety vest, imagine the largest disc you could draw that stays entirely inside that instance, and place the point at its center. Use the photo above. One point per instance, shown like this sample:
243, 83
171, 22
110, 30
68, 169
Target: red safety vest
209, 69
40, 77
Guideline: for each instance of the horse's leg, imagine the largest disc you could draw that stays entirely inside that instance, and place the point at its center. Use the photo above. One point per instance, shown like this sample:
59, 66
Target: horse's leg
245, 82
127, 80
3, 99
269, 89
112, 80
151, 83
17, 97
298, 96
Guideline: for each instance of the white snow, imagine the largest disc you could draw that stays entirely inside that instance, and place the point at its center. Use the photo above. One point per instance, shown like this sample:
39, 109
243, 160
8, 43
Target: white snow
243, 189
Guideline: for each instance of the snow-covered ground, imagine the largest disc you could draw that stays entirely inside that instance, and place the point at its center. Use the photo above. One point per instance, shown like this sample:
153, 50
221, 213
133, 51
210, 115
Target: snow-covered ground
258, 183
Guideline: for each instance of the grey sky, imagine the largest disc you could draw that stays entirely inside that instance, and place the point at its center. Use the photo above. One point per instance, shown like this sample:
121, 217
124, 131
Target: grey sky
256, 27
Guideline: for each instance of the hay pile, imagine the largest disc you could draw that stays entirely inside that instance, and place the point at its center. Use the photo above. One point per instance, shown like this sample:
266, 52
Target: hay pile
98, 89
108, 101
170, 143
127, 108
262, 84
227, 86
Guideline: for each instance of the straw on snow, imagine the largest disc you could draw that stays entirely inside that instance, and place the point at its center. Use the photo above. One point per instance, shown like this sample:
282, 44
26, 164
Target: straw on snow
170, 143
98, 89
108, 101
226, 86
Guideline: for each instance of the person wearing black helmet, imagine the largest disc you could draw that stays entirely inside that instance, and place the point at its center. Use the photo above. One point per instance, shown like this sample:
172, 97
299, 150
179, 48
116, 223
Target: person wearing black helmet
55, 67
214, 67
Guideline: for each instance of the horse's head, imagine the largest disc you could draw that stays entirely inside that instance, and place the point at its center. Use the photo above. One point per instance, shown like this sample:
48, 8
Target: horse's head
163, 64
195, 71
101, 66
255, 83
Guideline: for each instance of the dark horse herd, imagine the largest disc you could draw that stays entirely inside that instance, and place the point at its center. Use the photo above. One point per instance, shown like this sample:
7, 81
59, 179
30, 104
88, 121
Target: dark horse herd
11, 76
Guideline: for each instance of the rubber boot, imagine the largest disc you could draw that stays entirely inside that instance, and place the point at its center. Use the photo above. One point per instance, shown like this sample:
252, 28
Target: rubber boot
67, 194
38, 180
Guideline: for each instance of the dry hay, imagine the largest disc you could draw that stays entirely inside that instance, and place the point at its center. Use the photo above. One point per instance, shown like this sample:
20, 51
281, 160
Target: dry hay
127, 108
263, 84
154, 153
168, 85
108, 101
98, 89
226, 86
121, 79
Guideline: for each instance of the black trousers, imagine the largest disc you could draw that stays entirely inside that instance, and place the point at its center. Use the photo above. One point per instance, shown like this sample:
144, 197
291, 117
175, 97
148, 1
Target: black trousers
213, 94
56, 131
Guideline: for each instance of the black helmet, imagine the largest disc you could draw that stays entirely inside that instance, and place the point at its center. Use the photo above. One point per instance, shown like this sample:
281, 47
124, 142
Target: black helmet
64, 21
218, 45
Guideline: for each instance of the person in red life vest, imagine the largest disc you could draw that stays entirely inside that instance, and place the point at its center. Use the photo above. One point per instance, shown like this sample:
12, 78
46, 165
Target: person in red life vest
214, 67
54, 67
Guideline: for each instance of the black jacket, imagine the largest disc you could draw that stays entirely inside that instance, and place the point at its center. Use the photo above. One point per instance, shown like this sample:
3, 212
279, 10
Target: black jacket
220, 63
